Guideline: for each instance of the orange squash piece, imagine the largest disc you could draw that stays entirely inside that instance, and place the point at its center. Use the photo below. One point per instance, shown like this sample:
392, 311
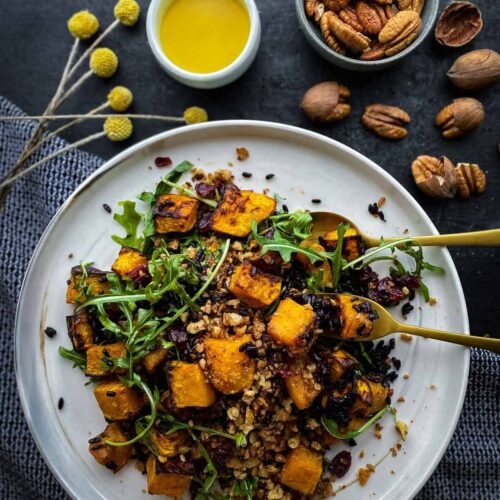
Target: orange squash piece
80, 330
170, 479
300, 384
130, 262
292, 324
113, 457
255, 288
230, 370
117, 401
175, 213
98, 354
318, 267
236, 211
302, 470
95, 283
352, 246
355, 322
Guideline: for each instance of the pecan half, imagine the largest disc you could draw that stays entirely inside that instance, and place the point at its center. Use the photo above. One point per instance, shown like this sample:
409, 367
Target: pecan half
460, 117
383, 2
309, 6
400, 31
416, 5
369, 17
459, 23
336, 5
351, 38
349, 16
326, 102
471, 180
386, 121
435, 177
375, 52
330, 40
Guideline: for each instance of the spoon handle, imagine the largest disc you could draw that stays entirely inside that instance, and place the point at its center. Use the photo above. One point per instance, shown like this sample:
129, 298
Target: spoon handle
490, 237
455, 338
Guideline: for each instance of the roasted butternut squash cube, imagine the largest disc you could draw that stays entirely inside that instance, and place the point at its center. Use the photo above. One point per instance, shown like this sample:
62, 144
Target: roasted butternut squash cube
270, 262
130, 262
82, 288
292, 324
117, 401
300, 383
371, 397
100, 359
189, 387
318, 267
80, 330
113, 457
302, 470
255, 288
356, 316
169, 445
175, 213
154, 359
237, 209
352, 246
230, 370
172, 478
340, 363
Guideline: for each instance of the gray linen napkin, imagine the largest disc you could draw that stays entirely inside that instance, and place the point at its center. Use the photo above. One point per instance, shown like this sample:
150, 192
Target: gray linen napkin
470, 468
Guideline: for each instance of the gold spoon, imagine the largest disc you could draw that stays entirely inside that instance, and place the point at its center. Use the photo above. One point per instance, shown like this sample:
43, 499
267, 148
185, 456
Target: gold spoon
386, 324
324, 222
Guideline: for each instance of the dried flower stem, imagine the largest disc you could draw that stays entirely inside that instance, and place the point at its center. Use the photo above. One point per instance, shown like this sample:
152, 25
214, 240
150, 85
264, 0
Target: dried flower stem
76, 144
76, 86
91, 47
95, 116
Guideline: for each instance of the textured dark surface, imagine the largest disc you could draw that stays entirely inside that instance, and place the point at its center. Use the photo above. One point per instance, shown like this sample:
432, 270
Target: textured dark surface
35, 44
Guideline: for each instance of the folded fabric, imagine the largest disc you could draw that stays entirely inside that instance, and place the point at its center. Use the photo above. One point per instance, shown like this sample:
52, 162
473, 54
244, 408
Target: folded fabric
470, 468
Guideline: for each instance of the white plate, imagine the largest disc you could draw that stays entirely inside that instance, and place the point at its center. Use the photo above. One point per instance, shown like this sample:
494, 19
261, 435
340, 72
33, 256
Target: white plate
306, 166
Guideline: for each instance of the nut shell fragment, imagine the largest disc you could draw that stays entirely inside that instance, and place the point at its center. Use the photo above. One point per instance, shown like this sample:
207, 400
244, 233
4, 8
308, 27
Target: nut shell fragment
475, 70
435, 177
326, 102
386, 121
459, 23
471, 180
460, 117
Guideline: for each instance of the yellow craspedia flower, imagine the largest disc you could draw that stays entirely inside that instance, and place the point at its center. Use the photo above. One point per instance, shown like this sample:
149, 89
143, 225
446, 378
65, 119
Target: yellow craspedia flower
103, 62
194, 114
83, 24
118, 128
127, 12
120, 98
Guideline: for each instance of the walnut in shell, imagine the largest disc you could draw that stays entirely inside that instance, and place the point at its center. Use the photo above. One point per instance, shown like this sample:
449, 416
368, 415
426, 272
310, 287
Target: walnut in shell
471, 180
386, 121
326, 102
460, 117
435, 177
459, 23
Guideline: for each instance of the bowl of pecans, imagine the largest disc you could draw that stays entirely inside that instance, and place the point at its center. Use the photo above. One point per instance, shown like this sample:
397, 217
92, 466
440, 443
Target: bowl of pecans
365, 35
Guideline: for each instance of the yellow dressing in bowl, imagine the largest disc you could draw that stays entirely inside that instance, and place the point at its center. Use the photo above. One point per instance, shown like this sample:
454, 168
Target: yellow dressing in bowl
204, 36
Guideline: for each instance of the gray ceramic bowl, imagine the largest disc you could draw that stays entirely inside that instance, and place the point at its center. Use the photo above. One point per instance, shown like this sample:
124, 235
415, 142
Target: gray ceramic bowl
313, 35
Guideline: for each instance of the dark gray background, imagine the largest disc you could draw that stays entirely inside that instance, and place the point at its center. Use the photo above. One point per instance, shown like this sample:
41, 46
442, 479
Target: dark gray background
35, 43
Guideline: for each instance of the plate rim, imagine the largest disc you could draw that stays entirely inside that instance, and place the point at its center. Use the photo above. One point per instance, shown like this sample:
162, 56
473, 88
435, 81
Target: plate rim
239, 123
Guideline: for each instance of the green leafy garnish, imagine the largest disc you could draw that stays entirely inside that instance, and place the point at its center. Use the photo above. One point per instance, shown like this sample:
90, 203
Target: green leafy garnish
282, 246
130, 220
332, 427
295, 224
190, 192
336, 255
245, 488
79, 360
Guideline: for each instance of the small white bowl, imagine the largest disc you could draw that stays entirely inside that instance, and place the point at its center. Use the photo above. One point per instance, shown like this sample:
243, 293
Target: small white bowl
157, 10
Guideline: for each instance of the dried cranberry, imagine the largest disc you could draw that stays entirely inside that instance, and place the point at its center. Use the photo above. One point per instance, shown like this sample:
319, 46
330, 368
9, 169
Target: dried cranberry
140, 275
205, 190
163, 161
205, 222
340, 463
220, 449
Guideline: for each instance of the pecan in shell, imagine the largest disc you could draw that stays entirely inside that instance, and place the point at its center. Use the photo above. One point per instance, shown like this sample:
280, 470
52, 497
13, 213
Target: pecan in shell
460, 117
386, 121
326, 102
471, 180
475, 70
435, 177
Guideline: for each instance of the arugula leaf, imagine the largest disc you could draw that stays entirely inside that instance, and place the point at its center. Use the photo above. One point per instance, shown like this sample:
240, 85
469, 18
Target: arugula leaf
245, 488
79, 360
130, 220
296, 224
336, 257
283, 246
332, 427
